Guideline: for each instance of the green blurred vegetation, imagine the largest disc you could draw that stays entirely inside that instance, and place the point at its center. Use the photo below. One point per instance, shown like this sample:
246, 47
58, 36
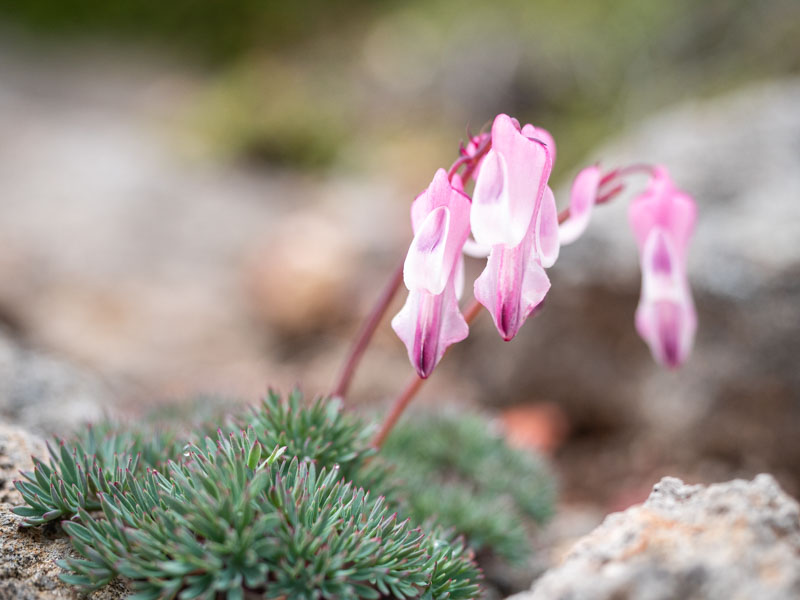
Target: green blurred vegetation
216, 30
308, 83
456, 469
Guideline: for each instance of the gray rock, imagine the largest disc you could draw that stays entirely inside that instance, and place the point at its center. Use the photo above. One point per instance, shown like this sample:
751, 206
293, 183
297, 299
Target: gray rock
16, 448
46, 393
728, 541
125, 248
28, 568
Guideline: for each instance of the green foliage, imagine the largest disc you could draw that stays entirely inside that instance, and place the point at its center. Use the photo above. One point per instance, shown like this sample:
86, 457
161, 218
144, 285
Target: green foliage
101, 458
266, 111
455, 468
218, 517
592, 69
222, 520
217, 30
321, 432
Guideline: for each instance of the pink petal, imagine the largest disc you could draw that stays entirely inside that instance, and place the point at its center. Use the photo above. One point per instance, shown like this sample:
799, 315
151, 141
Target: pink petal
662, 218
546, 230
511, 286
427, 324
668, 327
471, 149
426, 266
440, 192
491, 206
457, 183
537, 133
581, 202
440, 219
665, 318
509, 187
475, 250
663, 205
459, 277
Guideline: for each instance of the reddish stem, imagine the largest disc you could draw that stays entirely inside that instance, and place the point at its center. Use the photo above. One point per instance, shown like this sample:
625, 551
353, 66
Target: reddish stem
412, 387
610, 194
367, 330
640, 168
399, 405
457, 165
470, 161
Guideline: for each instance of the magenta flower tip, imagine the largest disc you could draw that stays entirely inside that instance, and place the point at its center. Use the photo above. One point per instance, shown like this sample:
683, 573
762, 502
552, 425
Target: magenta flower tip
582, 198
514, 212
430, 320
662, 219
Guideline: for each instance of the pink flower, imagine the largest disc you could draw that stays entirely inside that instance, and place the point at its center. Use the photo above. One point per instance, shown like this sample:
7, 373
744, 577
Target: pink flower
510, 185
430, 320
514, 213
663, 219
582, 199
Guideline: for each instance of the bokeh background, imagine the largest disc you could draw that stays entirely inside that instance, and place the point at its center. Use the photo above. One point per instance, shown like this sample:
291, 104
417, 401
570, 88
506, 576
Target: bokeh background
205, 198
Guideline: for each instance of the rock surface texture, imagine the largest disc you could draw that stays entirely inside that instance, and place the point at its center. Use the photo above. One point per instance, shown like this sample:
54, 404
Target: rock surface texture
28, 569
738, 540
46, 393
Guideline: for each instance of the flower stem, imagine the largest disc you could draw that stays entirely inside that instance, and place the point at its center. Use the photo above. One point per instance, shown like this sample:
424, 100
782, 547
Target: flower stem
412, 387
399, 405
610, 194
470, 161
365, 334
640, 168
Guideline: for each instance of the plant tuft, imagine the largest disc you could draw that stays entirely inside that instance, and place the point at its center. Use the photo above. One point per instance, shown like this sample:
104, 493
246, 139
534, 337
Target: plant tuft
272, 505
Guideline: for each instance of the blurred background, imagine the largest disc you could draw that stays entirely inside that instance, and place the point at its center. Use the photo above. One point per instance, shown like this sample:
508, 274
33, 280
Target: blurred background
205, 197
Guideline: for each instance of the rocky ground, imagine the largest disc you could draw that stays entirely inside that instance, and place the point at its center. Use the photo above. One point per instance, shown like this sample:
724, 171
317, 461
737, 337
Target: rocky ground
728, 541
734, 541
48, 394
28, 569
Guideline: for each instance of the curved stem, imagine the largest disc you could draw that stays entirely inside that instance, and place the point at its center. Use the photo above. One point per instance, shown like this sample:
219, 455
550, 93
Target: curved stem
412, 387
641, 168
470, 161
399, 405
612, 177
457, 165
610, 194
366, 332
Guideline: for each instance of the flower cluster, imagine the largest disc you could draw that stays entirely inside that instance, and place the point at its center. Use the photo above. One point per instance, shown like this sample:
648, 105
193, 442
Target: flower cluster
511, 218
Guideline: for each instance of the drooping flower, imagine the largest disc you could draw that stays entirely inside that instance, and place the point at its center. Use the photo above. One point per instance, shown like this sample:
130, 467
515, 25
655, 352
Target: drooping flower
510, 185
514, 213
430, 320
662, 219
582, 198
